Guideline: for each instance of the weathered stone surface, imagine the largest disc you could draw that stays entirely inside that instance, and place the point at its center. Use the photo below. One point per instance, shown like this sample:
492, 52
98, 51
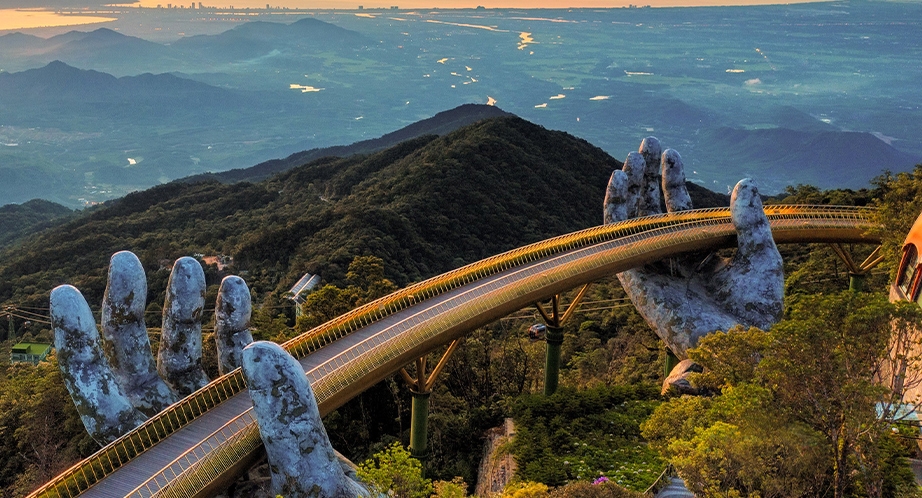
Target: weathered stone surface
301, 459
649, 202
677, 382
105, 410
125, 336
232, 322
688, 297
674, 191
179, 360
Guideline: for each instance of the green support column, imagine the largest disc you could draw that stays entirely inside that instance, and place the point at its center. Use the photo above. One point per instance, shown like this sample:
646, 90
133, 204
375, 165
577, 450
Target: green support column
419, 426
856, 282
671, 361
552, 361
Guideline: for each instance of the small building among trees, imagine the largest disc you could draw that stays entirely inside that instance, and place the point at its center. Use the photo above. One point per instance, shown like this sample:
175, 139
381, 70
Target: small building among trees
30, 352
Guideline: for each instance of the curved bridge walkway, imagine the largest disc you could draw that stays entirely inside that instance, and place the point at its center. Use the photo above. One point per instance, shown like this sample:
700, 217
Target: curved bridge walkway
200, 444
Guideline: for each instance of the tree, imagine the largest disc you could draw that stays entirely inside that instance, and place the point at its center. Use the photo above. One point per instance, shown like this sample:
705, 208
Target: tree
899, 203
393, 469
804, 408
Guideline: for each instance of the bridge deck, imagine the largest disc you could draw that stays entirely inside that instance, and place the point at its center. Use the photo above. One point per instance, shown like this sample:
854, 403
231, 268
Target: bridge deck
194, 454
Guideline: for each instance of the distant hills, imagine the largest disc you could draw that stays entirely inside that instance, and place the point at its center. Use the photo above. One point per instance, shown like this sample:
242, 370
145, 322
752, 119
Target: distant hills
58, 82
255, 39
122, 54
817, 156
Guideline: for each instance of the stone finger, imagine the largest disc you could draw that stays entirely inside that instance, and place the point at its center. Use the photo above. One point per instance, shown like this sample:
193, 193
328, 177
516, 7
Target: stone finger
125, 336
634, 168
104, 409
674, 190
301, 458
752, 286
616, 198
649, 202
232, 322
179, 360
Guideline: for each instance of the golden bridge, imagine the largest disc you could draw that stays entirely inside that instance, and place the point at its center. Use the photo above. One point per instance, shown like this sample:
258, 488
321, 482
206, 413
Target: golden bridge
201, 444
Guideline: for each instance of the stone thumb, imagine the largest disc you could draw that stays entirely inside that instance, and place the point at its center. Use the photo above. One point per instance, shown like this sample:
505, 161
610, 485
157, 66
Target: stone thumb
752, 229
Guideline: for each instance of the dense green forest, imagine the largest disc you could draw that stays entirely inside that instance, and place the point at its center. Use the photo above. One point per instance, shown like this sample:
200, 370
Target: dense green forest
366, 224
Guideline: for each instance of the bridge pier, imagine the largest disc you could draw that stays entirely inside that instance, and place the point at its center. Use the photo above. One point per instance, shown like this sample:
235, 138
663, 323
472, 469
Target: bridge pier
554, 340
419, 426
554, 337
671, 361
857, 273
421, 389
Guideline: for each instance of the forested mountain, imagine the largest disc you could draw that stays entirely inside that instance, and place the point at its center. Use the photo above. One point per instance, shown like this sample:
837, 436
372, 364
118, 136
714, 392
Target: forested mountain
19, 220
440, 124
424, 206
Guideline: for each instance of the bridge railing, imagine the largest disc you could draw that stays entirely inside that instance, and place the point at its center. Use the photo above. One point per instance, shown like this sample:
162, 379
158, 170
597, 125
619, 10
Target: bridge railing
86, 473
350, 367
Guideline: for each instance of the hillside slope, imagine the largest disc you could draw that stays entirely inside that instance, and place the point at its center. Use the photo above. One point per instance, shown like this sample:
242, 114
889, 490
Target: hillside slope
440, 124
424, 206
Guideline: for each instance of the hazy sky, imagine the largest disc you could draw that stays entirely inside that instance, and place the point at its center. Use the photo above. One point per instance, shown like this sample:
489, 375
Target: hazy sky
411, 4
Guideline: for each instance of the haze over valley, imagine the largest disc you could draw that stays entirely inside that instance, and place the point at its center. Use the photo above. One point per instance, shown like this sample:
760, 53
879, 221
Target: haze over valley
821, 93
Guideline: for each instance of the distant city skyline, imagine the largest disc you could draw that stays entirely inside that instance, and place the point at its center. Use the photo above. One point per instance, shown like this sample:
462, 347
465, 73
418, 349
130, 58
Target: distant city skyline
15, 16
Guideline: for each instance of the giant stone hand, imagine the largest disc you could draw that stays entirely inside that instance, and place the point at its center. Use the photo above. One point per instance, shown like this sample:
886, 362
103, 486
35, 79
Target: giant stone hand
115, 386
112, 377
688, 297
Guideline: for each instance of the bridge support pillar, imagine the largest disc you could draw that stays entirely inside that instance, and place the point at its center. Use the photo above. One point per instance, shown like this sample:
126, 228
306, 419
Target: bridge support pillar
857, 273
856, 281
554, 337
419, 426
552, 360
421, 387
671, 361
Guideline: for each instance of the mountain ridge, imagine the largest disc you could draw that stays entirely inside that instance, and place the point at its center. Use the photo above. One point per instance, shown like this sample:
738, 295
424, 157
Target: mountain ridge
439, 124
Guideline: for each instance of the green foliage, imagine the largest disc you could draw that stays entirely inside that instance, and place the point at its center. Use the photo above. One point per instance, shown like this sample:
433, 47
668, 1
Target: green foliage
424, 207
393, 471
366, 283
455, 488
899, 203
525, 489
19, 220
593, 490
581, 435
798, 409
40, 431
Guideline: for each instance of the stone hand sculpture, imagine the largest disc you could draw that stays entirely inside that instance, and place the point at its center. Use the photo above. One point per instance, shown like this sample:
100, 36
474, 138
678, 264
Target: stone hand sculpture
686, 298
115, 386
112, 377
301, 459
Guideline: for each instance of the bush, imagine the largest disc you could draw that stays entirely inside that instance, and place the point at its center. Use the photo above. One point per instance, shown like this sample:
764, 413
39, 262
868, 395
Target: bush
604, 489
394, 472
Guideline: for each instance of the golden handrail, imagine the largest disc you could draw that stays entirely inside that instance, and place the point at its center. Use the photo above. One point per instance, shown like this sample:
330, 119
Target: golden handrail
649, 235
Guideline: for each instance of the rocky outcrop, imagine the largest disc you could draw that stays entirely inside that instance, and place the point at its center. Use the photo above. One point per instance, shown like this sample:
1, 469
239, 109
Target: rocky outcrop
497, 466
